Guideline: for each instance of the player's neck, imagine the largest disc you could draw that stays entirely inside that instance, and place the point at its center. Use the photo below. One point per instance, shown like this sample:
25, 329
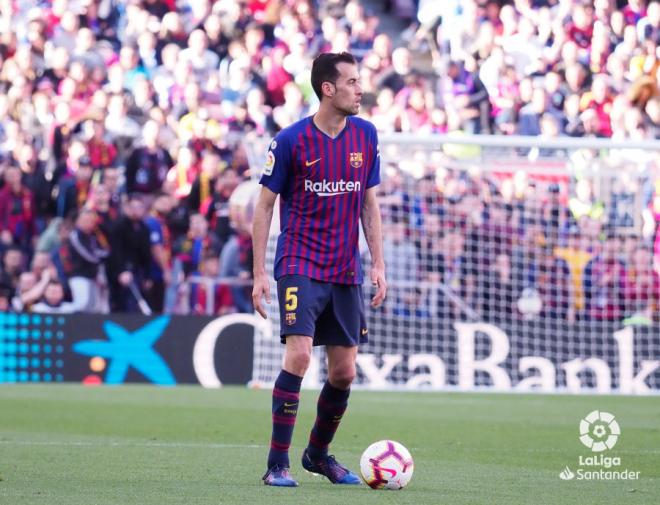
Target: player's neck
329, 122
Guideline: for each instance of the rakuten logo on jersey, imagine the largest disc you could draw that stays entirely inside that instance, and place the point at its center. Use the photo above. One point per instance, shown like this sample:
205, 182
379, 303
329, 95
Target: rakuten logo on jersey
329, 188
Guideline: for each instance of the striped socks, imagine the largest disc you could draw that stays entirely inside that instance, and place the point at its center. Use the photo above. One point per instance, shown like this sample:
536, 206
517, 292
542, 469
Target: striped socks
329, 411
286, 395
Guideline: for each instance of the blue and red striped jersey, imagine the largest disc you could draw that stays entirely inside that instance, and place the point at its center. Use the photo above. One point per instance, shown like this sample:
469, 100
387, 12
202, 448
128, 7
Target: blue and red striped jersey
321, 182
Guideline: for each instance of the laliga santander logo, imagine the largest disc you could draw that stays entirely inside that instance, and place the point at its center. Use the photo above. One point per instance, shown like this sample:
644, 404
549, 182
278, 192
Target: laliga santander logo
599, 431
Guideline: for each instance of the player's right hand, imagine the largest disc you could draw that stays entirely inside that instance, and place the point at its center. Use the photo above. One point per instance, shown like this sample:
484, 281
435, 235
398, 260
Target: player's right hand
261, 289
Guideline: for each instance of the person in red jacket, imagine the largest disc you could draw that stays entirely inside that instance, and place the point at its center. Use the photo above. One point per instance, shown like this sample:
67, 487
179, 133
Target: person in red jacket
16, 211
102, 153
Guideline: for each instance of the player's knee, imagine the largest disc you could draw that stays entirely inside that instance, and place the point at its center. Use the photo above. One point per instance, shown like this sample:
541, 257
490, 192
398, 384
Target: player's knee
342, 377
297, 361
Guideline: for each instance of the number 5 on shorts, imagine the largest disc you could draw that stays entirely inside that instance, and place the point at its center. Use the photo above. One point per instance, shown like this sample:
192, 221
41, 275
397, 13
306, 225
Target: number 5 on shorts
291, 298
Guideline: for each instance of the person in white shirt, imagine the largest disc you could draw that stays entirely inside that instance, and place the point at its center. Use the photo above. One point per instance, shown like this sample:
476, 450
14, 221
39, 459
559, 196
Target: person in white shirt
52, 301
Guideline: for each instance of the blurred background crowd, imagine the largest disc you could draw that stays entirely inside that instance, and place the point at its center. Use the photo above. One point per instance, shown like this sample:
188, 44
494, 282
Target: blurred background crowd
124, 132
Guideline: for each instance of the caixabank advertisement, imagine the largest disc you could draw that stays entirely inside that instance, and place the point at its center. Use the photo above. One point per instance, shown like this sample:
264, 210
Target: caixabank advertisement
246, 349
120, 348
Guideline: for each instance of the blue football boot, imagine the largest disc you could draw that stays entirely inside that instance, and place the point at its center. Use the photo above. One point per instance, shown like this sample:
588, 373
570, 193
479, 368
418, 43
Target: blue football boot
330, 468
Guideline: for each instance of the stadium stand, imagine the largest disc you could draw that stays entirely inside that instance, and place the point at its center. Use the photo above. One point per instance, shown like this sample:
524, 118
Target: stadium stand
122, 120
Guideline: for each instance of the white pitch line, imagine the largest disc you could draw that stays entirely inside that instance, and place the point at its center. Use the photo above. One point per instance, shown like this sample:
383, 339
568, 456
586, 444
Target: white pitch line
173, 445
192, 445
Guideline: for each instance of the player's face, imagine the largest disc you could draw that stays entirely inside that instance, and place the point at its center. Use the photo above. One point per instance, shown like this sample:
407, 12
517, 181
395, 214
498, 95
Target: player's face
348, 90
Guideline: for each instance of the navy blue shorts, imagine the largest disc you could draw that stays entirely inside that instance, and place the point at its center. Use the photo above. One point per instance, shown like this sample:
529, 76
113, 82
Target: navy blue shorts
332, 314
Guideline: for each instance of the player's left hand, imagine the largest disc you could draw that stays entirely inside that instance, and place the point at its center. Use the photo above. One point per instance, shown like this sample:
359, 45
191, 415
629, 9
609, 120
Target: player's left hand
378, 281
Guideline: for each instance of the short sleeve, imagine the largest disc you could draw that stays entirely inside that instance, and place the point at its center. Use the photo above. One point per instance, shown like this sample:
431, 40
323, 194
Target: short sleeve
277, 165
373, 178
155, 232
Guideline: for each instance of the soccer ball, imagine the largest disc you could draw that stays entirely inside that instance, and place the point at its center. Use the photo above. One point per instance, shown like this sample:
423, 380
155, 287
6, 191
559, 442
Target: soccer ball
386, 465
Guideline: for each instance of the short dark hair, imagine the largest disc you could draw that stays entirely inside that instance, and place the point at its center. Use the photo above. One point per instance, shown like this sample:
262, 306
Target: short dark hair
324, 69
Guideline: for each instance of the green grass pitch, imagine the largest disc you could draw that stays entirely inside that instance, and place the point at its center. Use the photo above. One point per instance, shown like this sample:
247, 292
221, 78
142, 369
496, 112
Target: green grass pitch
142, 445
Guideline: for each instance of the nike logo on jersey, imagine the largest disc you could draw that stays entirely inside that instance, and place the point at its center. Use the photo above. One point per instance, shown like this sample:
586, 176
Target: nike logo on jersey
310, 163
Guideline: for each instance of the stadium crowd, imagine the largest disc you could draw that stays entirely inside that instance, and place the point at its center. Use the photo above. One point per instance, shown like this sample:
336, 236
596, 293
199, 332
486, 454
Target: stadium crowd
122, 139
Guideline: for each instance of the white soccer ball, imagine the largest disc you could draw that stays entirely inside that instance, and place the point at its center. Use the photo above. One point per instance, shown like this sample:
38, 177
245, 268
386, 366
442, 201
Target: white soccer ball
386, 464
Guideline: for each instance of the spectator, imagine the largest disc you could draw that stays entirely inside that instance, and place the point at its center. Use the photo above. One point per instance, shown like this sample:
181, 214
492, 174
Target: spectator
466, 94
599, 100
236, 261
202, 186
605, 282
643, 289
555, 217
504, 100
501, 288
201, 59
147, 166
160, 271
184, 171
400, 253
122, 130
216, 207
74, 190
584, 203
191, 249
236, 258
580, 29
147, 52
102, 152
12, 265
395, 78
17, 211
451, 263
218, 41
110, 180
53, 301
549, 277
31, 288
130, 256
198, 78
195, 245
41, 263
207, 295
85, 252
5, 299
38, 178
648, 27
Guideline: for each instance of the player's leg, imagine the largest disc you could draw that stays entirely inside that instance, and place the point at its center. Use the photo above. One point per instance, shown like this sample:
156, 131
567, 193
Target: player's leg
286, 396
333, 399
300, 303
330, 409
341, 327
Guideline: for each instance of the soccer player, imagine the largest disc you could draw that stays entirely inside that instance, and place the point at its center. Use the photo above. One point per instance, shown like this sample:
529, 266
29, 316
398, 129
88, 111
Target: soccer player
325, 169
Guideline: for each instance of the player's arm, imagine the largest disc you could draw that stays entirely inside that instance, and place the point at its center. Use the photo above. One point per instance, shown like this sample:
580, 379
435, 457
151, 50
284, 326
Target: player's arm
373, 232
263, 215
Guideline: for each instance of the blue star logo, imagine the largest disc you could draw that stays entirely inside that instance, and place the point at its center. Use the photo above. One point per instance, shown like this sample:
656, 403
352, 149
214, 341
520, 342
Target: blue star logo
125, 349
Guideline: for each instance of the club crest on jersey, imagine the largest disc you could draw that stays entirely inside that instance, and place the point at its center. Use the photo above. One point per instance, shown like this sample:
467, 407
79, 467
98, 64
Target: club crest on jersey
290, 318
355, 160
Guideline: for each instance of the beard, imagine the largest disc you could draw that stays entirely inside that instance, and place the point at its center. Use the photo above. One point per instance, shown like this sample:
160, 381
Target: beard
349, 110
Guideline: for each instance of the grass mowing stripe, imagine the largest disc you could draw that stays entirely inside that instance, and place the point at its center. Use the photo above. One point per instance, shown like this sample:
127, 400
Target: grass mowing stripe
160, 445
140, 445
